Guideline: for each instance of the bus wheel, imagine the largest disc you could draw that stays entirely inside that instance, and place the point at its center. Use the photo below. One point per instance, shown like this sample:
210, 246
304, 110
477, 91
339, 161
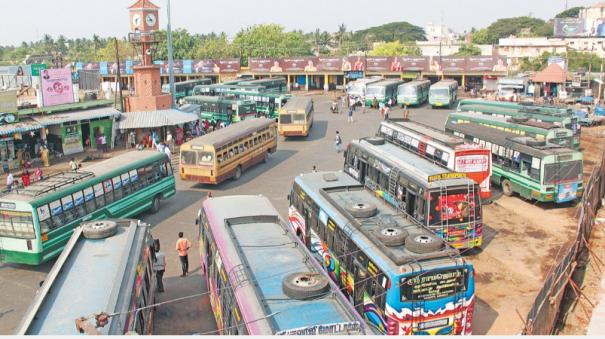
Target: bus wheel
155, 207
392, 236
238, 173
507, 188
305, 285
423, 243
99, 229
361, 209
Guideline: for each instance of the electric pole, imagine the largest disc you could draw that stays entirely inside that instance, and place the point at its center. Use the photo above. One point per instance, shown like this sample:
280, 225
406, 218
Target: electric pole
170, 58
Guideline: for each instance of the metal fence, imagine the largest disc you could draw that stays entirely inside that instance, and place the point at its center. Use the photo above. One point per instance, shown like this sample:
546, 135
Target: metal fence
563, 281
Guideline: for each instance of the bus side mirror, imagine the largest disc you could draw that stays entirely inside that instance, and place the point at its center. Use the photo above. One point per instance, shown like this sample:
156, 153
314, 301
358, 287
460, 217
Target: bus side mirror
197, 221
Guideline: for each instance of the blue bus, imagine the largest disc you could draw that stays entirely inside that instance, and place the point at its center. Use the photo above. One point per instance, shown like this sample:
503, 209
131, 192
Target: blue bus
401, 277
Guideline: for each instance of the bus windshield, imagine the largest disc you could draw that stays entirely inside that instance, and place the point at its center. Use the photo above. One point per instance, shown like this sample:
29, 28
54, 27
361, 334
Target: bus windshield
407, 90
562, 171
453, 207
375, 90
188, 157
285, 118
431, 285
357, 89
14, 224
246, 109
440, 91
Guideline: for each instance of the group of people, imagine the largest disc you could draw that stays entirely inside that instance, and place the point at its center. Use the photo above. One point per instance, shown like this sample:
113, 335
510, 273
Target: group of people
26, 178
159, 264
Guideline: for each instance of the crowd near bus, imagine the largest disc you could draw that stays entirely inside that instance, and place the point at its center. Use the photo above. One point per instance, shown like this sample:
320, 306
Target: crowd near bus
106, 267
357, 89
396, 273
261, 279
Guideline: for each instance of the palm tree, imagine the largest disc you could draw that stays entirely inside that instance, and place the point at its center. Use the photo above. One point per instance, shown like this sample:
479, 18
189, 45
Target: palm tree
341, 33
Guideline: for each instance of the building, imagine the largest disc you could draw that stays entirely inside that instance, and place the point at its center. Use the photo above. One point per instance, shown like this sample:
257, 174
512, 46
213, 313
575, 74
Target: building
440, 33
516, 49
434, 48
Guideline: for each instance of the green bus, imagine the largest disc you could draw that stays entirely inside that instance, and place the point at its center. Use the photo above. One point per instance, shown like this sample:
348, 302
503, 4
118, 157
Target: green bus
569, 122
271, 85
414, 93
266, 103
227, 110
534, 169
185, 88
528, 106
382, 91
38, 220
443, 93
218, 89
541, 131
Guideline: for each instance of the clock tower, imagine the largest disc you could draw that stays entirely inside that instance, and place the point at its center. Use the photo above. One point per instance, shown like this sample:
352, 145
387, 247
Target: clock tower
144, 24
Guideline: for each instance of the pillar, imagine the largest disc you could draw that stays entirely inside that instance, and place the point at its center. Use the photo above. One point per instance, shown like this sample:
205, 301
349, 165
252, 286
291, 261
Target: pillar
326, 82
463, 81
307, 82
288, 81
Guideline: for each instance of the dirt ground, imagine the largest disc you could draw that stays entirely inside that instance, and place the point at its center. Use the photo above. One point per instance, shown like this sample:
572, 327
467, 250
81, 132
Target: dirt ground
522, 241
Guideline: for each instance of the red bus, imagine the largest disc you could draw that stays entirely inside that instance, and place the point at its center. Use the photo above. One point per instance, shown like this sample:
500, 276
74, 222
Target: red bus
444, 150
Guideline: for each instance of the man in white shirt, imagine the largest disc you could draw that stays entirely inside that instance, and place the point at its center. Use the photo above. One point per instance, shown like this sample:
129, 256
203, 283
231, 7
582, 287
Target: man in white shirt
159, 266
167, 151
10, 180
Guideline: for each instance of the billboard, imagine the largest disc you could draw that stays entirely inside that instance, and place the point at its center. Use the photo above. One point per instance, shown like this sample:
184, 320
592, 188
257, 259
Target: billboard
228, 65
414, 64
56, 86
8, 101
378, 64
570, 27
262, 65
204, 66
297, 64
330, 64
485, 64
453, 64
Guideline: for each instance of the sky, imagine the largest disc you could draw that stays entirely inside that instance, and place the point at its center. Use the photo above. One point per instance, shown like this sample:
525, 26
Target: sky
83, 18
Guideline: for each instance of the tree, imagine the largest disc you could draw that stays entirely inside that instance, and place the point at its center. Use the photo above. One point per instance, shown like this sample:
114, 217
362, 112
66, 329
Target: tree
108, 53
506, 27
270, 40
341, 34
573, 12
468, 50
395, 48
394, 31
216, 47
481, 37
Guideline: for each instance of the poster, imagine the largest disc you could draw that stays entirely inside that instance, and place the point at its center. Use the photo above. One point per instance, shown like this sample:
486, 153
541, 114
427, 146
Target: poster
263, 65
571, 27
414, 64
452, 64
203, 66
187, 67
228, 65
330, 64
378, 64
56, 86
301, 64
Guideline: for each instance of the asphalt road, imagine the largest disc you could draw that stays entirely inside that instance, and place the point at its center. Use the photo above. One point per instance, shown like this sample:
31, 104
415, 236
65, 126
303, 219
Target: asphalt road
192, 314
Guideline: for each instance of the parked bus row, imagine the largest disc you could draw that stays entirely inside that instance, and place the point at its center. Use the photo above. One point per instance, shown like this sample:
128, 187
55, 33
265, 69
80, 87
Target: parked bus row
219, 109
413, 93
185, 88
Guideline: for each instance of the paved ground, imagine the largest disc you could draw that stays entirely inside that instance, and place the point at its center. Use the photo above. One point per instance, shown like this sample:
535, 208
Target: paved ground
520, 236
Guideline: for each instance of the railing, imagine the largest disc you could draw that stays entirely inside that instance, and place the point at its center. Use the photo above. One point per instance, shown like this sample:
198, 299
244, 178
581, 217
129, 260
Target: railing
562, 284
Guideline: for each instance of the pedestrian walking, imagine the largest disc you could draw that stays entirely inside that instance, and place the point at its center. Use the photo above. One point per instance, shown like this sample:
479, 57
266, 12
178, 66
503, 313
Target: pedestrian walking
337, 142
363, 107
314, 169
350, 114
159, 265
386, 113
406, 112
44, 156
38, 174
390, 102
73, 165
25, 177
168, 152
169, 140
132, 139
182, 247
10, 180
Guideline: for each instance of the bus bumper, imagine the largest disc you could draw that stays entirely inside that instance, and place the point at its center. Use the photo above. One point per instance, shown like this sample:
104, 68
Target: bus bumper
198, 178
21, 257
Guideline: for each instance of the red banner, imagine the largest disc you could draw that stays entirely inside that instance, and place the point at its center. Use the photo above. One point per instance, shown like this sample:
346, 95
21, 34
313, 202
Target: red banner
452, 64
330, 64
228, 65
379, 64
262, 65
414, 64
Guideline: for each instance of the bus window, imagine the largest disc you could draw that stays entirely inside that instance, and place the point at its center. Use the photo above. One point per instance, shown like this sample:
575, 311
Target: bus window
188, 157
16, 225
206, 158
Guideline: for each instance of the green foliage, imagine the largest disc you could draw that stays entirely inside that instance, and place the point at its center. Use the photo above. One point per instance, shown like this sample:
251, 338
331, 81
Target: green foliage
108, 52
394, 31
395, 48
573, 12
270, 40
517, 26
575, 61
468, 50
215, 47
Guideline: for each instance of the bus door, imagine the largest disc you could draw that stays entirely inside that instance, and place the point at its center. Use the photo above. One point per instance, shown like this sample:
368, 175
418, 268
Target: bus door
410, 202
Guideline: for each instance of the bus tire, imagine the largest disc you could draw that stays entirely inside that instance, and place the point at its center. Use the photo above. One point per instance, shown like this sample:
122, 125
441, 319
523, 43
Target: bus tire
423, 243
99, 229
375, 140
534, 143
305, 285
238, 173
507, 188
361, 209
155, 205
392, 236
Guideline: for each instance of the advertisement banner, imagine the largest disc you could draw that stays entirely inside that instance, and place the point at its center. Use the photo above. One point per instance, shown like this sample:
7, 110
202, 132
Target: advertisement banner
484, 63
294, 64
203, 66
91, 66
103, 70
570, 27
8, 101
56, 86
453, 64
378, 64
187, 67
330, 64
36, 68
228, 65
413, 64
263, 65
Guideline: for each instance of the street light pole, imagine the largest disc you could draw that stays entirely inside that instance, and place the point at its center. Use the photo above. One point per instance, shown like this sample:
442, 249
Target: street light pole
170, 58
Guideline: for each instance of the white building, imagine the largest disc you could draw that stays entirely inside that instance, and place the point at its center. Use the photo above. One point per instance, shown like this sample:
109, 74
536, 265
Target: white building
433, 48
517, 48
440, 32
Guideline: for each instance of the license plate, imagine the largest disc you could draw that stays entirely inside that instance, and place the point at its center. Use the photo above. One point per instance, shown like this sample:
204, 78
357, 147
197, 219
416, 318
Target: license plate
438, 104
433, 324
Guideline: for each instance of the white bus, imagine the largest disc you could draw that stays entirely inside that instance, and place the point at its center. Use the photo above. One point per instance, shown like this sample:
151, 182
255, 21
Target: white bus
356, 90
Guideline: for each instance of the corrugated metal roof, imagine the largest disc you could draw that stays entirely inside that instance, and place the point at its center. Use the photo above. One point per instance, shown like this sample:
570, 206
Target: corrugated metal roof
55, 119
149, 119
190, 108
20, 127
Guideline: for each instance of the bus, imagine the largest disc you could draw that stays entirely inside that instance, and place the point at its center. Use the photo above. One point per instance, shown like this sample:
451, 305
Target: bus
38, 220
261, 279
271, 85
534, 169
296, 117
443, 93
442, 149
528, 106
227, 152
218, 89
382, 91
268, 104
415, 93
356, 90
185, 88
402, 278
538, 130
107, 266
446, 202
223, 109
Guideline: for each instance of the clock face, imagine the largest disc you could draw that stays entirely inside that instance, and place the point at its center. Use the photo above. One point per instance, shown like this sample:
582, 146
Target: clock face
136, 20
150, 19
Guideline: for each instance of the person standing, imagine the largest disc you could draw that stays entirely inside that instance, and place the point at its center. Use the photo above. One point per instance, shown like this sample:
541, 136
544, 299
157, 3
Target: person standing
386, 113
168, 153
38, 174
10, 180
132, 139
406, 112
103, 143
169, 140
44, 156
350, 114
337, 142
25, 177
73, 165
182, 247
159, 265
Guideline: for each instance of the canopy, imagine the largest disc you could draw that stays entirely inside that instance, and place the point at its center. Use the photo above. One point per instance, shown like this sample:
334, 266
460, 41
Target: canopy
553, 73
152, 119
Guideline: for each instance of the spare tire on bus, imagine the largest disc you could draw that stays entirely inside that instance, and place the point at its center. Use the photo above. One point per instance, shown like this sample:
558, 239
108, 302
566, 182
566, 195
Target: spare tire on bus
534, 142
99, 229
375, 140
518, 119
305, 285
361, 209
423, 243
391, 236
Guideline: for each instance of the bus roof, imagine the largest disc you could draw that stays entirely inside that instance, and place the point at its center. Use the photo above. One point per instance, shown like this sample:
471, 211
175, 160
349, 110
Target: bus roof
411, 164
444, 83
416, 82
502, 138
253, 239
504, 120
213, 99
297, 102
262, 81
90, 276
521, 111
194, 81
334, 191
230, 133
386, 82
425, 130
63, 181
